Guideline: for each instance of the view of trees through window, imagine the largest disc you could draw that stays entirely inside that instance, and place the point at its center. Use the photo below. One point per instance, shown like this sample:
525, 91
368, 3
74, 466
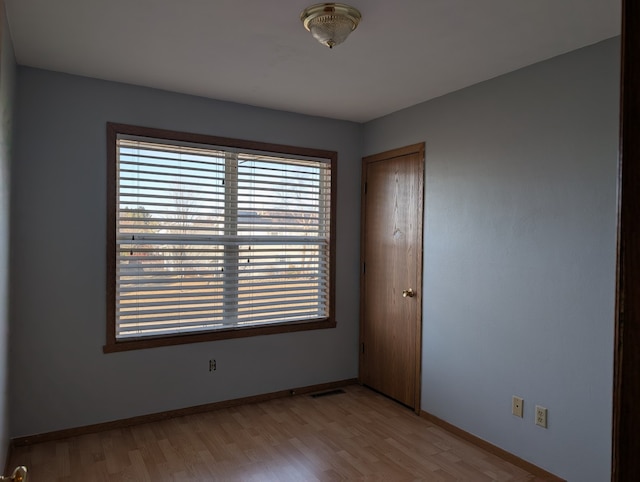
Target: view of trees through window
209, 238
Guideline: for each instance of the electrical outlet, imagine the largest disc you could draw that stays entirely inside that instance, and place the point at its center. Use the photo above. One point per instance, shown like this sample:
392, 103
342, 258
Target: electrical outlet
212, 365
541, 416
517, 406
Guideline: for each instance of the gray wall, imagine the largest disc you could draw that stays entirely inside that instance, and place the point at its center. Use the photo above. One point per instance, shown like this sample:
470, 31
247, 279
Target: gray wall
58, 261
7, 79
520, 254
519, 263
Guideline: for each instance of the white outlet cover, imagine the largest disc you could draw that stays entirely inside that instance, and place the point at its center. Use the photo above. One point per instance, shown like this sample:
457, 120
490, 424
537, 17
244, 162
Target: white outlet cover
541, 416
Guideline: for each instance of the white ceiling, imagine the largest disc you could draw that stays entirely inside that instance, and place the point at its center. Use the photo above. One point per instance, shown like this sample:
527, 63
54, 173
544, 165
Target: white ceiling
257, 51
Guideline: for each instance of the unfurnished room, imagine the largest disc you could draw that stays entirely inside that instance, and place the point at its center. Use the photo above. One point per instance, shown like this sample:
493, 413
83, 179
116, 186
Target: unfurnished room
246, 240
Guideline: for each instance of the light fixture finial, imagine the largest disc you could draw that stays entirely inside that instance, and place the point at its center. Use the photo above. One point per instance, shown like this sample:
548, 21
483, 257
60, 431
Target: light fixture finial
330, 23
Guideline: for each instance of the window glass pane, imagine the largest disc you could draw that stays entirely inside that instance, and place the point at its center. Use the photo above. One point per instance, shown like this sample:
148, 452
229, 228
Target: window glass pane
208, 239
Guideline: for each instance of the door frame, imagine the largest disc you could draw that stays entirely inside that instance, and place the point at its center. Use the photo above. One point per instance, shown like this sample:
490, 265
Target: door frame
626, 377
402, 151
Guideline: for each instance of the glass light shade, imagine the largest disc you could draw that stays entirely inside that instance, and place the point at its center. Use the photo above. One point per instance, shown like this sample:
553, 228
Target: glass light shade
330, 23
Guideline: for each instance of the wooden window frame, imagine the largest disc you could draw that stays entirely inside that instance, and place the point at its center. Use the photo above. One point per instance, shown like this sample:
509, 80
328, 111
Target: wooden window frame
115, 345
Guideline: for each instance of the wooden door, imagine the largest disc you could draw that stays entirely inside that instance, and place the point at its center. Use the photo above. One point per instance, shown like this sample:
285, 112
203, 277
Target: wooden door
626, 396
391, 273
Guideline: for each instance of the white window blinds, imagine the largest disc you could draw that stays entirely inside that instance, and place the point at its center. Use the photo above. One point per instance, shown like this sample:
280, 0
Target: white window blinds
209, 239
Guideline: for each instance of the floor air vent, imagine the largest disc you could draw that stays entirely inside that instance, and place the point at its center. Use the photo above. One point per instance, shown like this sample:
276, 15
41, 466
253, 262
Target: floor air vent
326, 394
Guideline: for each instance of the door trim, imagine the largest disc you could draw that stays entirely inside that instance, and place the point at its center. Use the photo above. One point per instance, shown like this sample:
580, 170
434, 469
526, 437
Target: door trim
626, 378
402, 151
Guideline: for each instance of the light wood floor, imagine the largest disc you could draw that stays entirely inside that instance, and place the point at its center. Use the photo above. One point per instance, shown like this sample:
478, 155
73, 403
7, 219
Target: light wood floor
351, 436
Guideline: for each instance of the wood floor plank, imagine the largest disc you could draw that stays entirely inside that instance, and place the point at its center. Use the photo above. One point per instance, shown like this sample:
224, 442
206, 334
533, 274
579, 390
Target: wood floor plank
356, 435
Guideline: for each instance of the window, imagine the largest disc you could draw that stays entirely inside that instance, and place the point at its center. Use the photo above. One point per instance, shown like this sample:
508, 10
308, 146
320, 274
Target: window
212, 238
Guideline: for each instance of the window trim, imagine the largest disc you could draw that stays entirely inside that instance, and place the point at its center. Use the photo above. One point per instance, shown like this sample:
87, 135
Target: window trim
112, 344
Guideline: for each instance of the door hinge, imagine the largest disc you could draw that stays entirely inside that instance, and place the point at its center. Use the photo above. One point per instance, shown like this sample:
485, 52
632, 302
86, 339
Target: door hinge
362, 347
365, 188
364, 268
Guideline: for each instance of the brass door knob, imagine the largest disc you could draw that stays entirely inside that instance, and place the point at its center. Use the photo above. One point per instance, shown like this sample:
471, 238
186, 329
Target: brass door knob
408, 293
19, 475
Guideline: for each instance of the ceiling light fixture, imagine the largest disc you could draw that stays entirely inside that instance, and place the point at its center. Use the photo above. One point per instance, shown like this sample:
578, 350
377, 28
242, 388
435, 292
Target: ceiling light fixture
330, 23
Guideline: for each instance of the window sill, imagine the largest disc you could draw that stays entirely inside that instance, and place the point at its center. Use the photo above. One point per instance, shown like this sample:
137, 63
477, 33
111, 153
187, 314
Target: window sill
149, 342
